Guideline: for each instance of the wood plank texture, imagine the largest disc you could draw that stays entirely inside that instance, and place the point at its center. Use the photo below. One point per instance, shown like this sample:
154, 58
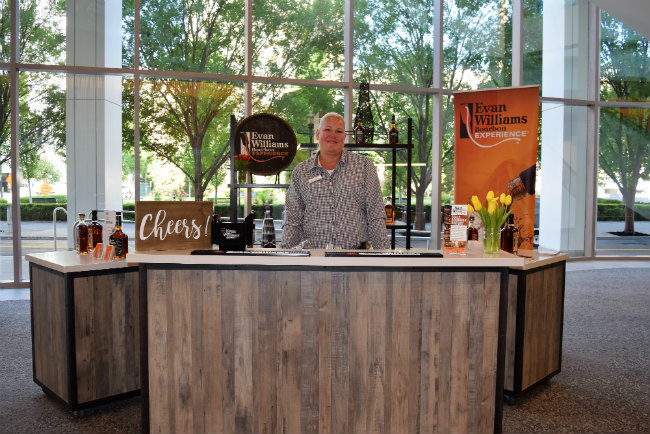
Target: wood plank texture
106, 335
322, 351
511, 328
543, 324
50, 331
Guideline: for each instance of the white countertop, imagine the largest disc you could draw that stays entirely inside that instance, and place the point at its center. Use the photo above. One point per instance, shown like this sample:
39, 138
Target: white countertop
68, 261
318, 259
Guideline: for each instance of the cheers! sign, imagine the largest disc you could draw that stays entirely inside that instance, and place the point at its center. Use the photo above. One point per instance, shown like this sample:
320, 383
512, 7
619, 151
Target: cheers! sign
174, 225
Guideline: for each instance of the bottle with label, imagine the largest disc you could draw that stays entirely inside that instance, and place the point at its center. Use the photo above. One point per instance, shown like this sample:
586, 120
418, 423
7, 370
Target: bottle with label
359, 134
393, 134
390, 212
268, 230
472, 232
118, 239
510, 236
81, 235
95, 232
216, 219
249, 224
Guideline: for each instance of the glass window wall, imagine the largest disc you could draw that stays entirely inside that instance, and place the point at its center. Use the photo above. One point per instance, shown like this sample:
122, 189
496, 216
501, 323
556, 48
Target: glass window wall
477, 48
298, 39
190, 52
393, 42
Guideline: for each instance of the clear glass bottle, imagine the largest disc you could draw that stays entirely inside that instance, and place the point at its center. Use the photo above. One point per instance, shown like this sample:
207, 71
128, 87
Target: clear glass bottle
118, 239
268, 230
81, 235
393, 134
95, 232
360, 134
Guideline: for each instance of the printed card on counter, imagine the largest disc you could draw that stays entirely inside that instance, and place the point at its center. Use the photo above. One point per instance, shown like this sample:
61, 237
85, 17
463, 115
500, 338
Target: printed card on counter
455, 220
109, 226
98, 251
109, 253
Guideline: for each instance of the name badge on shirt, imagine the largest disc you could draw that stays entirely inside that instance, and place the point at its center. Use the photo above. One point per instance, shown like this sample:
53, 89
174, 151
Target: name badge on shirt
316, 178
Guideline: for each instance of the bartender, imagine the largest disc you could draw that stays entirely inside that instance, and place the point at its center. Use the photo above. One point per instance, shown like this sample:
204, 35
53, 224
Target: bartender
334, 200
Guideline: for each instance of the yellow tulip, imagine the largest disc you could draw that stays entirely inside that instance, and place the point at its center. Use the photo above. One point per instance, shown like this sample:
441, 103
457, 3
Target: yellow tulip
476, 203
492, 207
508, 200
490, 195
502, 198
470, 208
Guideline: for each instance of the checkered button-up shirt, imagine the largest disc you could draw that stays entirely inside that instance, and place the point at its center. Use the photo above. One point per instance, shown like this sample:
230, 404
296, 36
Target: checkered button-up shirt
344, 208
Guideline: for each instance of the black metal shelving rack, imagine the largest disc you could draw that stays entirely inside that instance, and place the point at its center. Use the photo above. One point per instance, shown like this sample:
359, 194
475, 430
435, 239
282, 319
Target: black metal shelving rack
376, 147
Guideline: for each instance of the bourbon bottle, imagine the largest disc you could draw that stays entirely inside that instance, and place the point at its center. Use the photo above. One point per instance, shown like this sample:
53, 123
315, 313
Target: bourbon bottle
81, 235
393, 134
472, 232
118, 239
95, 232
510, 236
390, 212
360, 134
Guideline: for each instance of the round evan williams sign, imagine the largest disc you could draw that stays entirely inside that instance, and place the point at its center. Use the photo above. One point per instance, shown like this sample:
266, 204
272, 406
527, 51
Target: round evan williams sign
269, 140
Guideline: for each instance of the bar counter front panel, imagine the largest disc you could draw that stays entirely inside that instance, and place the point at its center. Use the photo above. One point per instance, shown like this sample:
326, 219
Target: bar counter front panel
85, 328
295, 348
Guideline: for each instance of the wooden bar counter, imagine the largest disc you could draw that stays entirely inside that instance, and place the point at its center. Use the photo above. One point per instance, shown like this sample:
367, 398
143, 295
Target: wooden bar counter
535, 323
85, 334
322, 344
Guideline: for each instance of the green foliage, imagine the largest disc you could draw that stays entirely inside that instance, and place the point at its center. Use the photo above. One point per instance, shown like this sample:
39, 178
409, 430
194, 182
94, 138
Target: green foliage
60, 199
624, 146
185, 122
616, 211
42, 113
36, 212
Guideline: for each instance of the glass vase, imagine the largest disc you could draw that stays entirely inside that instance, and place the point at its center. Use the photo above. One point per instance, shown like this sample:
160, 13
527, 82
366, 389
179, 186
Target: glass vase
491, 241
241, 176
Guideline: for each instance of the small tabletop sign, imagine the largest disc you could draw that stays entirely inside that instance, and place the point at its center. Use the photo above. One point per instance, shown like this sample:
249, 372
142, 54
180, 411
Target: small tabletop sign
172, 225
455, 229
109, 226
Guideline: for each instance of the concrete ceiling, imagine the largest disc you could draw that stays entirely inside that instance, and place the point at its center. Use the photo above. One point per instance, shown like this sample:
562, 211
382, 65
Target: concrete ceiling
635, 14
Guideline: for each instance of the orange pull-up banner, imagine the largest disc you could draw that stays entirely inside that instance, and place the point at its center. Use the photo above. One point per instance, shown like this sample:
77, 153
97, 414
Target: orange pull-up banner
496, 149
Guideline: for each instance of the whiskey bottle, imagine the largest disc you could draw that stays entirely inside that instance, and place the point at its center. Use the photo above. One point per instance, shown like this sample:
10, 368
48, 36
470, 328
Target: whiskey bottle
390, 212
393, 134
81, 235
118, 239
359, 134
268, 230
510, 236
472, 232
95, 232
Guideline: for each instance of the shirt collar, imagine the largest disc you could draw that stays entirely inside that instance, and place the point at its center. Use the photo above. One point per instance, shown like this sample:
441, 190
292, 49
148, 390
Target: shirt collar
342, 161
